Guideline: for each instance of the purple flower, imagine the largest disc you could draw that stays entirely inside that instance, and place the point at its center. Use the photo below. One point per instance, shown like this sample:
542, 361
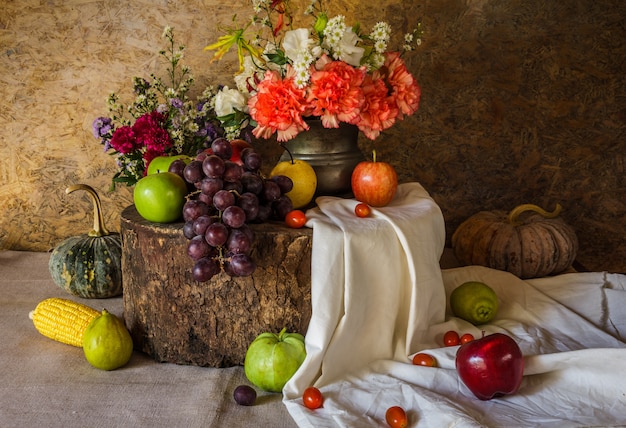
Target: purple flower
208, 130
102, 127
176, 103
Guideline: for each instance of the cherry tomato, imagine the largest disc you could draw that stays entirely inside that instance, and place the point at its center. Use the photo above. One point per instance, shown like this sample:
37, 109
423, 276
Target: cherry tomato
312, 398
295, 219
451, 338
422, 359
467, 337
396, 417
362, 210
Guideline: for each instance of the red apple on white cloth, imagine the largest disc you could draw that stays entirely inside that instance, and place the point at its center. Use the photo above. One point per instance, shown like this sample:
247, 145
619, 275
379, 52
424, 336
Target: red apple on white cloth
491, 366
374, 183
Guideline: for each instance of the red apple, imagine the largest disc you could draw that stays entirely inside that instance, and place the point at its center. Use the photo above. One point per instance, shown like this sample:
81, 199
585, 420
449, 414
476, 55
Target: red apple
374, 183
491, 366
238, 146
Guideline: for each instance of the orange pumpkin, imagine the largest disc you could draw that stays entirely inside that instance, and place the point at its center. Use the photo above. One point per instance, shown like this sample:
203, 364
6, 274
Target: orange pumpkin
529, 246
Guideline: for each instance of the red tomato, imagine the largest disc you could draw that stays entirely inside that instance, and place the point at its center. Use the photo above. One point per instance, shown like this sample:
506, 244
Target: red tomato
312, 398
467, 337
362, 210
451, 338
396, 417
422, 359
295, 219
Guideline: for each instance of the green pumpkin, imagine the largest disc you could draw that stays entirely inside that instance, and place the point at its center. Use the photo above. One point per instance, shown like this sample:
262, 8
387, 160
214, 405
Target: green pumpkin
89, 265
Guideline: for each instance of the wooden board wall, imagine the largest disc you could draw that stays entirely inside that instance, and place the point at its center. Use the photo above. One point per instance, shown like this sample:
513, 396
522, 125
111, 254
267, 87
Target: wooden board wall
523, 101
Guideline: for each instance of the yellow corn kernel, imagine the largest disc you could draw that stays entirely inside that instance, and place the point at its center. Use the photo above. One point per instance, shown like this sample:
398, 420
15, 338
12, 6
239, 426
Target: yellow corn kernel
63, 320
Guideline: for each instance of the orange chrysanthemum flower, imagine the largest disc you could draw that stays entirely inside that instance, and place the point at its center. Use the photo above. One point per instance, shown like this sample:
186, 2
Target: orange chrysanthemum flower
404, 87
335, 93
278, 106
379, 110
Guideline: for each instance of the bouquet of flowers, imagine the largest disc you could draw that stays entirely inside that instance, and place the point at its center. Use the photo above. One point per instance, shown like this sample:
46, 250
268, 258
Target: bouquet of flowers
162, 119
330, 71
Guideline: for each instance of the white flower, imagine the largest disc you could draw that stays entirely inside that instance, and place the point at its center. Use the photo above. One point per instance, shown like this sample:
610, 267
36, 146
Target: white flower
247, 75
347, 49
297, 43
227, 100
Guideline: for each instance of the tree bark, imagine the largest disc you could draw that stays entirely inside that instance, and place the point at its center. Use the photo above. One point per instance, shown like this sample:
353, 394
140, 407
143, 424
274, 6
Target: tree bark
176, 319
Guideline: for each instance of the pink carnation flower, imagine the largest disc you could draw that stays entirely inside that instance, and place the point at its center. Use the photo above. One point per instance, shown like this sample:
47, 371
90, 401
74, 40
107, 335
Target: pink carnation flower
278, 106
379, 110
404, 87
335, 93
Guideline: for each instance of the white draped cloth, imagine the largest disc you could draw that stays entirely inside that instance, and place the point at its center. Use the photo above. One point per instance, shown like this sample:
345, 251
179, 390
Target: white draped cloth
379, 296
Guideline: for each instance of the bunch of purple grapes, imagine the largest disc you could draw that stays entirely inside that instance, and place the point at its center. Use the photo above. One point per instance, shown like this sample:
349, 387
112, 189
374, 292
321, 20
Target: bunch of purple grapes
225, 197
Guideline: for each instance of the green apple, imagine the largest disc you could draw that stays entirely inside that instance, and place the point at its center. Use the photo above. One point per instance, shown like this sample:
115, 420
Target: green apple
162, 163
272, 359
160, 197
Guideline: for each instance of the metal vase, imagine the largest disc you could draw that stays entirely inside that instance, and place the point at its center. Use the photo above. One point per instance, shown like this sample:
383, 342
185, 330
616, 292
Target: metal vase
332, 152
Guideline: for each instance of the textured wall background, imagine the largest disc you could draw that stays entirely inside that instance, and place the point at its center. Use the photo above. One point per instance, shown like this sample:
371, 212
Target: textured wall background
523, 101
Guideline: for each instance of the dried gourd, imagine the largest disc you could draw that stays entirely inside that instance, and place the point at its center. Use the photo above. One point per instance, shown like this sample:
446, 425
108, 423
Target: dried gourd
89, 265
527, 245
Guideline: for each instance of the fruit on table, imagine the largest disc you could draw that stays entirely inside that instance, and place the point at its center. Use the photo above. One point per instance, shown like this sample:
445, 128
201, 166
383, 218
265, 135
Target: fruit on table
295, 219
396, 417
491, 366
528, 246
474, 302
424, 359
226, 198
63, 320
374, 183
232, 151
312, 398
244, 395
362, 210
451, 338
272, 359
89, 265
303, 177
107, 344
162, 163
160, 198
467, 337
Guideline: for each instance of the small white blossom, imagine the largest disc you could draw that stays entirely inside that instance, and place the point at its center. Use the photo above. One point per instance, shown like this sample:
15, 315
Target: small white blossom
380, 46
381, 31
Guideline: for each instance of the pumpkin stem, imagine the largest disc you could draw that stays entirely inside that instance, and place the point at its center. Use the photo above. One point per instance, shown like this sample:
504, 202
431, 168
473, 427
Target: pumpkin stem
98, 221
513, 217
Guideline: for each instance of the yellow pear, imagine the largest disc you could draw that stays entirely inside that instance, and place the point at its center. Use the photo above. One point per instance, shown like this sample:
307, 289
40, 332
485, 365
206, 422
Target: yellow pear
303, 177
107, 344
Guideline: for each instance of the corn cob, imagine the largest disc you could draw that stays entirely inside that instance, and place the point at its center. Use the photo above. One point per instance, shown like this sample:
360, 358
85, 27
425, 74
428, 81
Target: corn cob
63, 320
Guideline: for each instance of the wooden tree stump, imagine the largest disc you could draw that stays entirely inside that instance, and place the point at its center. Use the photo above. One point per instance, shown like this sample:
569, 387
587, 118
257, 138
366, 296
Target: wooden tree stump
176, 319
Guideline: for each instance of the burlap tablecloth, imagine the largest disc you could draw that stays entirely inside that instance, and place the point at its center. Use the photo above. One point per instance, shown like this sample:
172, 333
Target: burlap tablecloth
50, 384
